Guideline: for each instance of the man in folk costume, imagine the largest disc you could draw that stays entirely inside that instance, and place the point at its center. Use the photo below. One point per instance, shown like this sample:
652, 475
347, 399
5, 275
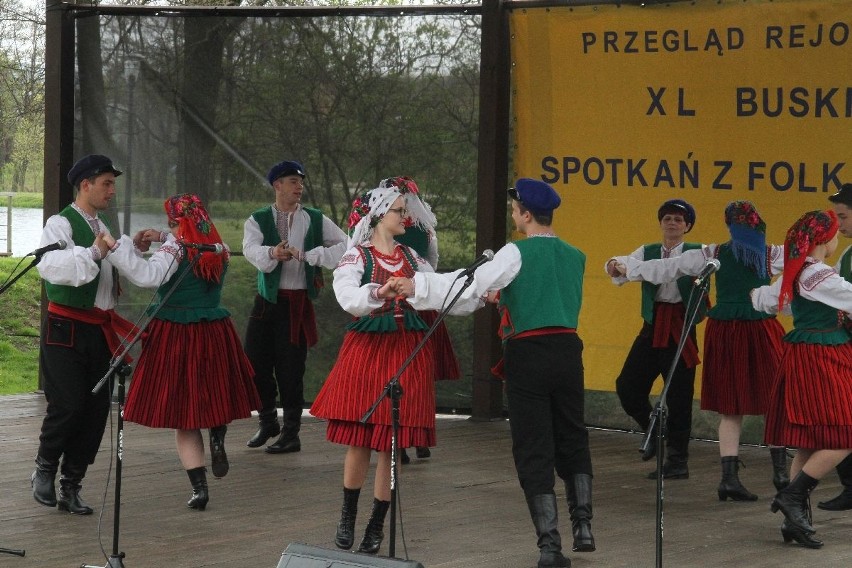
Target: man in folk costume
664, 309
79, 335
288, 244
537, 283
842, 201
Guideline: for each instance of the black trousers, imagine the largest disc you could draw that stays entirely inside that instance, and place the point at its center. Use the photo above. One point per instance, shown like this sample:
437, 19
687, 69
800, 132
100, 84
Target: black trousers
644, 364
545, 392
279, 365
74, 356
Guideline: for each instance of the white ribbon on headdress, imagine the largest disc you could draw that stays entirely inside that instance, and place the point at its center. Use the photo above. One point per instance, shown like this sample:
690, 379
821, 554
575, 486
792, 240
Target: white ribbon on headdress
380, 200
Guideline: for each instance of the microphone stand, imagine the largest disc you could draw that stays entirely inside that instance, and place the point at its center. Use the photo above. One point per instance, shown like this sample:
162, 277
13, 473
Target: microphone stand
657, 424
8, 285
393, 390
121, 369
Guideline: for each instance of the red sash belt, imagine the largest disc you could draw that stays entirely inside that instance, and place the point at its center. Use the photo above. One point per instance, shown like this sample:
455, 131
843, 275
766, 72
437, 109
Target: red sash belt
115, 328
302, 317
498, 371
668, 324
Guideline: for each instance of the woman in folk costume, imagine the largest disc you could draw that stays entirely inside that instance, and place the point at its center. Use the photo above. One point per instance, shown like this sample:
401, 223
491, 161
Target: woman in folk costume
811, 404
385, 332
420, 235
742, 346
192, 372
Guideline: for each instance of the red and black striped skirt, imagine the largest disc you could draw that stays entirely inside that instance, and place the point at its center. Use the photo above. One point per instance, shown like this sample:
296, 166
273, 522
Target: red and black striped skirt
741, 359
191, 376
811, 404
364, 366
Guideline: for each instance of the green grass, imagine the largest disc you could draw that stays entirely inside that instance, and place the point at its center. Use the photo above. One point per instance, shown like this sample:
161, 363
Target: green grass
28, 200
19, 328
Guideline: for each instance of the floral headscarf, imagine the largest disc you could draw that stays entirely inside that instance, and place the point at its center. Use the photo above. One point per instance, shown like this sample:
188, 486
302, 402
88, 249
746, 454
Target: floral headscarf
814, 228
748, 235
195, 226
369, 210
419, 212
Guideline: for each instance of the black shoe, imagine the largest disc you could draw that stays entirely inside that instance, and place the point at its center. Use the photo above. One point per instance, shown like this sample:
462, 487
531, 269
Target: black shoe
44, 487
789, 534
218, 457
842, 502
650, 450
286, 443
374, 534
403, 457
265, 431
200, 493
69, 499
423, 453
672, 470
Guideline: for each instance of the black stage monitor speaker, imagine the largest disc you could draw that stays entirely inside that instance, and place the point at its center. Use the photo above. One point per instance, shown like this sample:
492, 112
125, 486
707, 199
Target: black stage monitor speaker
299, 555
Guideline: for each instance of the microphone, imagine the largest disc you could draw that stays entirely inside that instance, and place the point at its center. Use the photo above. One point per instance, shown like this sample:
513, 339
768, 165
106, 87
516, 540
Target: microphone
486, 256
712, 266
215, 248
58, 245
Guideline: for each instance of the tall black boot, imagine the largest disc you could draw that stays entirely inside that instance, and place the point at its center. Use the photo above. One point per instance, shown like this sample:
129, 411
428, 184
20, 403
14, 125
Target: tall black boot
842, 502
793, 502
545, 518
780, 470
268, 427
218, 457
374, 535
288, 441
200, 496
43, 481
69, 489
730, 485
677, 457
579, 492
345, 536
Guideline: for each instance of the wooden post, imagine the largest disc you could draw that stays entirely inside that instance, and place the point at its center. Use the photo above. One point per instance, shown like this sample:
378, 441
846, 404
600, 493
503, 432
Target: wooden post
492, 183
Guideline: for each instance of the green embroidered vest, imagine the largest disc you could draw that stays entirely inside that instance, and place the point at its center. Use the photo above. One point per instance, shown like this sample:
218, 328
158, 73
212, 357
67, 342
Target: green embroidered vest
684, 286
76, 296
846, 265
548, 290
267, 282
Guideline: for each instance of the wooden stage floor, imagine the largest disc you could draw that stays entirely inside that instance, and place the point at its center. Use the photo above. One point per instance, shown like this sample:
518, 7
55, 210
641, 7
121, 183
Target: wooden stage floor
463, 507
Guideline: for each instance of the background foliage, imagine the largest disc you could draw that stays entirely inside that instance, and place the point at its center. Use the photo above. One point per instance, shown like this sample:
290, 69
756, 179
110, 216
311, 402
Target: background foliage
218, 100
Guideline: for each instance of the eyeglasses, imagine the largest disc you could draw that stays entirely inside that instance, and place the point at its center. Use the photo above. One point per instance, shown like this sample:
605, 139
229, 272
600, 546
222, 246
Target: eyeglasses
401, 211
173, 224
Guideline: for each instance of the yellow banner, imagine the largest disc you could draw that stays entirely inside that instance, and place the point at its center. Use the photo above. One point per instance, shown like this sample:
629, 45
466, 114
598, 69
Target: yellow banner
623, 107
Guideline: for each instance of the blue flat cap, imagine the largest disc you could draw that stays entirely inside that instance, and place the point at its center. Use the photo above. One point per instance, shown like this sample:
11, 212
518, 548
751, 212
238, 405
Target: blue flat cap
679, 206
90, 166
285, 168
535, 195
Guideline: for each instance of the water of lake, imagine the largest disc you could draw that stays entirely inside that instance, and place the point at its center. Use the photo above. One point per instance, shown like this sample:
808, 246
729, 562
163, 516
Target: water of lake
27, 225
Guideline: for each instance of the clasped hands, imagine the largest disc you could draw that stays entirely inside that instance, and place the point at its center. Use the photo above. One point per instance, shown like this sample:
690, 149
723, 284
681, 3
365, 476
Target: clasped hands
616, 269
283, 252
396, 287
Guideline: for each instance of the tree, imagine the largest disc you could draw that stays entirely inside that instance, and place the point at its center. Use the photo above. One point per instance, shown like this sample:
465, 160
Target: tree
21, 93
